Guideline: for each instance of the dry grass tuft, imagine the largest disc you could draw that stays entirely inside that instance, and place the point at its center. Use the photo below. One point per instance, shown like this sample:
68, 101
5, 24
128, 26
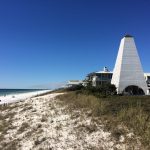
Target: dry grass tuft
23, 127
39, 141
44, 118
132, 112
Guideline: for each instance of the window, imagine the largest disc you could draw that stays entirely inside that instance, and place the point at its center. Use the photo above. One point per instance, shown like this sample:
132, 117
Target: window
148, 77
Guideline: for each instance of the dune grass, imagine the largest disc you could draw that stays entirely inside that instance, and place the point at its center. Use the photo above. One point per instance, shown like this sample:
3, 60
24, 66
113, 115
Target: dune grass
132, 112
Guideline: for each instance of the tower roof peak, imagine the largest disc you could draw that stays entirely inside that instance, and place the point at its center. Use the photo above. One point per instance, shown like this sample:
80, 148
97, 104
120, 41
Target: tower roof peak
128, 36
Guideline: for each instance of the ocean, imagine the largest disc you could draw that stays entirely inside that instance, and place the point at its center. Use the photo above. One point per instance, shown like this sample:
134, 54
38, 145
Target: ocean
5, 92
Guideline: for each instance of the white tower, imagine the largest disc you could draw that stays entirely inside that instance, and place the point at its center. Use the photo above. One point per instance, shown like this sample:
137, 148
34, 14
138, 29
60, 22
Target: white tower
128, 75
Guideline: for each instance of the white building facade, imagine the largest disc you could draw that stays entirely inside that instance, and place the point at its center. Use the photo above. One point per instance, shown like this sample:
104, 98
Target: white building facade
128, 75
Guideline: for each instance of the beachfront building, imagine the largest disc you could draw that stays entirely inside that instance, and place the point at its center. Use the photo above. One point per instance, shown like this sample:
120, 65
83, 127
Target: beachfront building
74, 83
147, 78
105, 76
128, 75
100, 77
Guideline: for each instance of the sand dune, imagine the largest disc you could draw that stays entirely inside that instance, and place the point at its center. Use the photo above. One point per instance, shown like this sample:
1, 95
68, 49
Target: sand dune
42, 123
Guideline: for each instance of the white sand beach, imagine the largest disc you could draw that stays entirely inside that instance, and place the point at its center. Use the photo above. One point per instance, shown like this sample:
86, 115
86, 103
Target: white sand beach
42, 123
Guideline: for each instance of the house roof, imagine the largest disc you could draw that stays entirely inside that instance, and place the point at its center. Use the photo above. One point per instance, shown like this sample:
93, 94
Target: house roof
104, 72
146, 74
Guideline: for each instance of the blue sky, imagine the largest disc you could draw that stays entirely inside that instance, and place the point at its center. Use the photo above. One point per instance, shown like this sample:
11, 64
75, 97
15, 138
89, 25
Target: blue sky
44, 43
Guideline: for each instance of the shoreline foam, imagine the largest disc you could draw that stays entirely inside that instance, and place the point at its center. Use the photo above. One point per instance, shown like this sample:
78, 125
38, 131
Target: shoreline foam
21, 96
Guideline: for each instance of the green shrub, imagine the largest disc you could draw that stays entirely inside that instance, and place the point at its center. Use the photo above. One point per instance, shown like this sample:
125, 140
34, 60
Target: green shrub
101, 90
75, 87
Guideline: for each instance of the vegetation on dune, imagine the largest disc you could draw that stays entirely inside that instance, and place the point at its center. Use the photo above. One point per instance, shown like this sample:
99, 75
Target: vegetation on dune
98, 91
132, 112
120, 114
